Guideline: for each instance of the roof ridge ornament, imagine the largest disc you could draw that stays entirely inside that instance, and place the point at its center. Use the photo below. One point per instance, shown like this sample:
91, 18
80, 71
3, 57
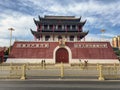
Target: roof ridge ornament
35, 21
39, 17
80, 18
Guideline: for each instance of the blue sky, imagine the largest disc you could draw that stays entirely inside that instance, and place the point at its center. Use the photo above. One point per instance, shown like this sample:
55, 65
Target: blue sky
19, 14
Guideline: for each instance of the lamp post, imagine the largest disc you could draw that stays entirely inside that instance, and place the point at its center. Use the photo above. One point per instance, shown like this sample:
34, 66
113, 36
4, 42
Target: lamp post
11, 29
102, 31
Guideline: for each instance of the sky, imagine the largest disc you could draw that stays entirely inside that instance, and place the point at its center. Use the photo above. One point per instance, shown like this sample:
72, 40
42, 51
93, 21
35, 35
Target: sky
19, 14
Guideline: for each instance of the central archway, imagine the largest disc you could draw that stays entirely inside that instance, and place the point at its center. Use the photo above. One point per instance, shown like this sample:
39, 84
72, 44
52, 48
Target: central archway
62, 55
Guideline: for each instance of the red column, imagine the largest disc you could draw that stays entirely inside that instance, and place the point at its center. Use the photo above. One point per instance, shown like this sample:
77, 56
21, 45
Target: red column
79, 28
53, 28
37, 27
41, 28
3, 56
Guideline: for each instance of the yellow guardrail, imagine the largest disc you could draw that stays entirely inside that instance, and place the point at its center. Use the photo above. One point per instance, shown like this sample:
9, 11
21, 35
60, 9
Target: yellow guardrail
109, 72
22, 71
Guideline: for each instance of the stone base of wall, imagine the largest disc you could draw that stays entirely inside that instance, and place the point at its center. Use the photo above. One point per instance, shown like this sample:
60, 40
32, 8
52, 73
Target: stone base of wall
52, 61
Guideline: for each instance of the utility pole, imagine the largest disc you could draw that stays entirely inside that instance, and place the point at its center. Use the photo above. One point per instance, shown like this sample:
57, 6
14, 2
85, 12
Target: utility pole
11, 29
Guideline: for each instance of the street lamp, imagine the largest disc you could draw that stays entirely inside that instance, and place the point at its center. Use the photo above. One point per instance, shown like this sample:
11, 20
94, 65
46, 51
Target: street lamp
11, 29
102, 31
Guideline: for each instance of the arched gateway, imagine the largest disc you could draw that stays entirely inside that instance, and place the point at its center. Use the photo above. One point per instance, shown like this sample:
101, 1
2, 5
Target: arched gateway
62, 55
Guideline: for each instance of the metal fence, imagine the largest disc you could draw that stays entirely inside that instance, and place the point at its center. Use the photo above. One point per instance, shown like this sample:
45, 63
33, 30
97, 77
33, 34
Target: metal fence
38, 70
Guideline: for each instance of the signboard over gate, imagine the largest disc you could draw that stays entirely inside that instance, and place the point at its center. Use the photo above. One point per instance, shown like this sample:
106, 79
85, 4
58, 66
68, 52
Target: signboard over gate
90, 45
32, 45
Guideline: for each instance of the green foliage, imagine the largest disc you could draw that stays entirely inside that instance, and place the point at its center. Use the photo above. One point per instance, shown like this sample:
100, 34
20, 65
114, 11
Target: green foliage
115, 49
117, 52
6, 52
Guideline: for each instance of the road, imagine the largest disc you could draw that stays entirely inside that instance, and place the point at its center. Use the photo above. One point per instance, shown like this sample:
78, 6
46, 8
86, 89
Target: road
59, 84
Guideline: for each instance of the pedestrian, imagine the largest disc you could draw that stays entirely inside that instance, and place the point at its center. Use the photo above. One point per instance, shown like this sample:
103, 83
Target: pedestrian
42, 63
85, 64
80, 62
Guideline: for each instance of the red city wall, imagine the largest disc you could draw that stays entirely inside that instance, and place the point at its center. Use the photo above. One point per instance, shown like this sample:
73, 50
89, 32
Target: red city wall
83, 52
1, 54
31, 52
92, 52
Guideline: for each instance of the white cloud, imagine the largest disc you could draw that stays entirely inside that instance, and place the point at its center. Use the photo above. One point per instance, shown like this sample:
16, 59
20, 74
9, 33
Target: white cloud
21, 25
109, 35
97, 37
98, 16
90, 8
93, 37
4, 42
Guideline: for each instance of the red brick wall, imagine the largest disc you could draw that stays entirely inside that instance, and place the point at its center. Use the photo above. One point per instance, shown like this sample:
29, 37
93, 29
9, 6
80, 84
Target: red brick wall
2, 55
32, 52
77, 53
92, 53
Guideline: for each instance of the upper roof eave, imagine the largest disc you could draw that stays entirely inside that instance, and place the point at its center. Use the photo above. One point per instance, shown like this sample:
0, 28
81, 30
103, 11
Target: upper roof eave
77, 21
59, 18
35, 33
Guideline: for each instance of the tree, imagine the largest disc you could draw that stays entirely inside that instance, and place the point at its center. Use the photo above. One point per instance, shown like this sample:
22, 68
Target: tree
117, 52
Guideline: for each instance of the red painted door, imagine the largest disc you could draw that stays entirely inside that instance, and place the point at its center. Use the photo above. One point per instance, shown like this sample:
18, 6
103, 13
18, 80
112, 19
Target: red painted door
62, 55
